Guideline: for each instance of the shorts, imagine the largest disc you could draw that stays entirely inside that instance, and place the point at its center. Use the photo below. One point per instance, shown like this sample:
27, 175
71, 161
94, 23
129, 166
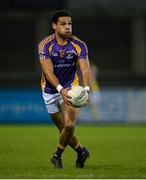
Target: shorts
53, 102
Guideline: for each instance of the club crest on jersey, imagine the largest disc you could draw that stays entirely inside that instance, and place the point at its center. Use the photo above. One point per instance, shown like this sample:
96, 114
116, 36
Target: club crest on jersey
69, 54
61, 53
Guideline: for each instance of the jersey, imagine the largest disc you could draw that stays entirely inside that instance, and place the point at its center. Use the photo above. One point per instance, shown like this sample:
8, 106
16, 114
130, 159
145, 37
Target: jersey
64, 59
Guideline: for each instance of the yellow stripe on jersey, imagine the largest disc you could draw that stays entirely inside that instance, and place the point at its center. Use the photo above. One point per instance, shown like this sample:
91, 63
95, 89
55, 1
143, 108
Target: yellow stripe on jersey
50, 48
76, 80
43, 42
77, 47
76, 38
43, 82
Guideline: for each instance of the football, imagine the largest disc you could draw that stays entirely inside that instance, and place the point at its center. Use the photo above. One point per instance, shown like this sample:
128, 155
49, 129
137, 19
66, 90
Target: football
79, 96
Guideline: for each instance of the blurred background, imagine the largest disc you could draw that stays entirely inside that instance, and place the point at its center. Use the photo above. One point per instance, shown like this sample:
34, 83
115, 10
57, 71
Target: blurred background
115, 33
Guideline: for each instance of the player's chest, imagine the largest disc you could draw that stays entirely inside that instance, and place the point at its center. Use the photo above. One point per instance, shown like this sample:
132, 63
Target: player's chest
66, 54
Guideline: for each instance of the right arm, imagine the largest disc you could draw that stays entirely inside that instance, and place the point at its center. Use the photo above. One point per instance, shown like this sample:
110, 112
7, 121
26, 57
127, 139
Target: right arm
47, 68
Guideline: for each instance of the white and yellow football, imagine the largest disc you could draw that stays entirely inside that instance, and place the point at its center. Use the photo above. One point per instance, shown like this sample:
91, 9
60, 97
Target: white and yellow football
79, 96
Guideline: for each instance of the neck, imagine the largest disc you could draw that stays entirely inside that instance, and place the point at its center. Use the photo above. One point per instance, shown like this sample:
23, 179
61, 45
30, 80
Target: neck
61, 40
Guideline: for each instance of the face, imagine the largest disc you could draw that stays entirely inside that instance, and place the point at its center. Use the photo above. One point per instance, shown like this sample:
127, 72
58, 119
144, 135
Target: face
63, 28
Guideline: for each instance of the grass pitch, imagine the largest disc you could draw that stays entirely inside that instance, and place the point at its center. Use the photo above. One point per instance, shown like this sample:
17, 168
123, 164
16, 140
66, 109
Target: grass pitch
115, 152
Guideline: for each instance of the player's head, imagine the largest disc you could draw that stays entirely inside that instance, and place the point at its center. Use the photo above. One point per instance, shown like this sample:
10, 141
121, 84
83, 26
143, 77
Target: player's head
62, 23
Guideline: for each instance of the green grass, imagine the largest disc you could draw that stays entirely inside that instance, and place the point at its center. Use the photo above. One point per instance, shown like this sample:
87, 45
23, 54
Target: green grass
115, 152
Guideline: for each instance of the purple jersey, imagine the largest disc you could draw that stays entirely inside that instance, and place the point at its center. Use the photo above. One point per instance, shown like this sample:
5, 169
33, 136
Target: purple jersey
64, 59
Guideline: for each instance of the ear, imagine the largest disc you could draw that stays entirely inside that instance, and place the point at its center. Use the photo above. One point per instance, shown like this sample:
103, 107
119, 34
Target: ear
54, 26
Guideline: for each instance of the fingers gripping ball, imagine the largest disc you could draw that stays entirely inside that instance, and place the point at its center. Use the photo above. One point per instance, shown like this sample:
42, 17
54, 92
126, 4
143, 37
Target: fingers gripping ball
79, 96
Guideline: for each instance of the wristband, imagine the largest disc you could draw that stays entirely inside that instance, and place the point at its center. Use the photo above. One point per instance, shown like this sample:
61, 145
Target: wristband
87, 88
59, 87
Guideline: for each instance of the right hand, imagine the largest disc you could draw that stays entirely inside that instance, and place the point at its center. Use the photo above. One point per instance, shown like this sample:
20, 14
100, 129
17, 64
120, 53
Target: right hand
66, 97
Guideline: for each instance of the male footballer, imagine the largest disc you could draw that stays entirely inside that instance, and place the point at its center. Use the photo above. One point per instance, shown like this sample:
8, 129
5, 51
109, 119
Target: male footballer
60, 55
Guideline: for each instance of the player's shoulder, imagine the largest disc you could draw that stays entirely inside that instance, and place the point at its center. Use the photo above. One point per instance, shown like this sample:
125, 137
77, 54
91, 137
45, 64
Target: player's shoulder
77, 40
46, 41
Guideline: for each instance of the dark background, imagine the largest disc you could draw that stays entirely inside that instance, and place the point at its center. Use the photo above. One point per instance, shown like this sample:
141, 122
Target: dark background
114, 31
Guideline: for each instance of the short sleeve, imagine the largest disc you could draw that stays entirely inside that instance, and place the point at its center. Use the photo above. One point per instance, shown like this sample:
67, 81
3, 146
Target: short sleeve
84, 51
43, 52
